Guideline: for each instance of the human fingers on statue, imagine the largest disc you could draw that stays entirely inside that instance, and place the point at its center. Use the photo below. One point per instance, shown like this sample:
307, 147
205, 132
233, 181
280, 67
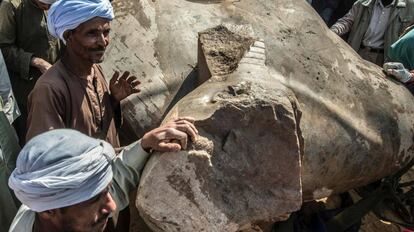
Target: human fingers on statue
169, 147
392, 72
114, 78
401, 75
188, 126
190, 119
174, 134
165, 139
393, 65
175, 131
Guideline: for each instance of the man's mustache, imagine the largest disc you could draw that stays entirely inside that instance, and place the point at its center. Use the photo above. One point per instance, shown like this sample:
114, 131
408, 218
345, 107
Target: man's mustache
102, 218
97, 49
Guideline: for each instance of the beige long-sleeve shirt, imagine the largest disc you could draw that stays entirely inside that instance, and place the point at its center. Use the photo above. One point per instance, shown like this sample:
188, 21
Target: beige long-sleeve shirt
127, 167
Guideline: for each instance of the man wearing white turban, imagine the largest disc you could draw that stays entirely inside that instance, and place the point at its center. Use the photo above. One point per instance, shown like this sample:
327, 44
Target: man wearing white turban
68, 181
27, 47
74, 93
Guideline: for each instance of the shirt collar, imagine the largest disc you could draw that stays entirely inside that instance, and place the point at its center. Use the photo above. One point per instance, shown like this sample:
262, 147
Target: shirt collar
379, 3
31, 2
399, 3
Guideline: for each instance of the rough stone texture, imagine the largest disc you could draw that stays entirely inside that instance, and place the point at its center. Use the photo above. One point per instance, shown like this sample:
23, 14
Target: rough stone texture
239, 172
220, 52
356, 124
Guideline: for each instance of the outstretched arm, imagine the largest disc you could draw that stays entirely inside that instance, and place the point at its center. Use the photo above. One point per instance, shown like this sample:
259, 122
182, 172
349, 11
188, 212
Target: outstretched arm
344, 24
127, 167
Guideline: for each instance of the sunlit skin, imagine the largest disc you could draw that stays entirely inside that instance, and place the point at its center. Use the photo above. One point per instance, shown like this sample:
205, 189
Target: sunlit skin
86, 45
88, 216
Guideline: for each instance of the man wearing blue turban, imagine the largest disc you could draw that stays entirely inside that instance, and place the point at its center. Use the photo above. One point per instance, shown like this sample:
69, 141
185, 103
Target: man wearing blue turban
68, 181
73, 93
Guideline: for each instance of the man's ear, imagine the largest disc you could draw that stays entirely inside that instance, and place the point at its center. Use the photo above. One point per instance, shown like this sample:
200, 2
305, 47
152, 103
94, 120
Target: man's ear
67, 35
49, 214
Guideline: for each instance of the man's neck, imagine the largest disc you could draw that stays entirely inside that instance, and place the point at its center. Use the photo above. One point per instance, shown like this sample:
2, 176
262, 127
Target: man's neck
76, 65
41, 226
34, 4
386, 2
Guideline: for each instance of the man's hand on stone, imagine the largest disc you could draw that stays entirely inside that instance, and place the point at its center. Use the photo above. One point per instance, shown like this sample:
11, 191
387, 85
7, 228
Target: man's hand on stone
173, 136
40, 64
398, 71
122, 87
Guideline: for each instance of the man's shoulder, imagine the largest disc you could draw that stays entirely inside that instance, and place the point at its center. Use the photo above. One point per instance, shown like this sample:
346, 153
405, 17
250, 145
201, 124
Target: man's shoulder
23, 221
364, 3
12, 4
52, 79
408, 3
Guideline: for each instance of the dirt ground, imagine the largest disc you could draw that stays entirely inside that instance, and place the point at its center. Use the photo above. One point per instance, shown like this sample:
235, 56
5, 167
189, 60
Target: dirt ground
371, 223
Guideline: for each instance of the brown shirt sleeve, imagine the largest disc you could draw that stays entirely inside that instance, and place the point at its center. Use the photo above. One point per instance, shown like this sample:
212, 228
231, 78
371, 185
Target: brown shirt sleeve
46, 110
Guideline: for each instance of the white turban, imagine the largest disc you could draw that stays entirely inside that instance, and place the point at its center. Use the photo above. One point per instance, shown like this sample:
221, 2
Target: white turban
69, 14
61, 168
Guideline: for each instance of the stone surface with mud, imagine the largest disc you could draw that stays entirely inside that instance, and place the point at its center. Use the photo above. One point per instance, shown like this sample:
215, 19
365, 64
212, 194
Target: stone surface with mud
356, 125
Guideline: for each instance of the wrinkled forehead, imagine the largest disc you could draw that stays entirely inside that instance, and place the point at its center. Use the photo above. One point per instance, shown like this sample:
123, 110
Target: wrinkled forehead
96, 23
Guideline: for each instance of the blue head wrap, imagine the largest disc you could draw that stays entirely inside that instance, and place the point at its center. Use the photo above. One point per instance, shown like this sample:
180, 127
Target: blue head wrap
69, 14
60, 168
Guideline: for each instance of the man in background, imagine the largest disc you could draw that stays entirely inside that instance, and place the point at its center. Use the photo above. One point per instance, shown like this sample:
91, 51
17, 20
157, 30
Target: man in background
9, 148
28, 49
374, 25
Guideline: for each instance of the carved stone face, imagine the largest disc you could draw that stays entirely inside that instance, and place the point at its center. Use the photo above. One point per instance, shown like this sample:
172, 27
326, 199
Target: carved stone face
337, 122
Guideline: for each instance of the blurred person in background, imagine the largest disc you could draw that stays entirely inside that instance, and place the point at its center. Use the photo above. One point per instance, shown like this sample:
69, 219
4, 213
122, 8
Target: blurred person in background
28, 49
374, 25
9, 148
